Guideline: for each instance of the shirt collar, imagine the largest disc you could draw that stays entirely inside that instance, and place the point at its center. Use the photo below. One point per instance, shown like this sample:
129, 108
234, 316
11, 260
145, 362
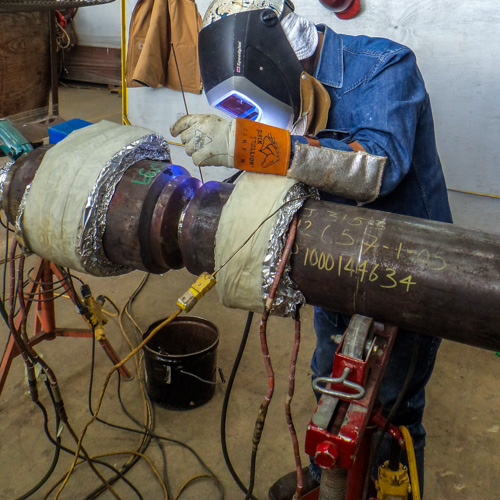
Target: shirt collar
330, 67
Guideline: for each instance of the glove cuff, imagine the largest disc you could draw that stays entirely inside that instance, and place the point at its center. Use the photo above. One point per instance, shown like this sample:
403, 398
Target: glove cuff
261, 148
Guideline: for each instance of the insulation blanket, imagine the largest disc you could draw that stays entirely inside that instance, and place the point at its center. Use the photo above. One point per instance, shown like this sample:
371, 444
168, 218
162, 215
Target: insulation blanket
246, 275
75, 176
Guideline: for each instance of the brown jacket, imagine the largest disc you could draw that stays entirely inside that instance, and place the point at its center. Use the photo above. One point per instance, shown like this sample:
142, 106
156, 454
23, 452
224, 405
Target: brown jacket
154, 26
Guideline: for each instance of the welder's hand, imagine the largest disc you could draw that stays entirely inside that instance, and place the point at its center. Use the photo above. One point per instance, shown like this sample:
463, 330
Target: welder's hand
209, 139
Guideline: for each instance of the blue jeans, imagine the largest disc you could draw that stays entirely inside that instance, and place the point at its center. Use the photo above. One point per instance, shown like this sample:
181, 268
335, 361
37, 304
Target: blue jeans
411, 410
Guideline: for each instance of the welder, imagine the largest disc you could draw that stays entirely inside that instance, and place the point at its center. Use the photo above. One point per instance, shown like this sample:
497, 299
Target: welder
349, 115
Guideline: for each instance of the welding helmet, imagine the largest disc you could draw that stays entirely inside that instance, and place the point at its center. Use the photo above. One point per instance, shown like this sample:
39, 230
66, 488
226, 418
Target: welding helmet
248, 67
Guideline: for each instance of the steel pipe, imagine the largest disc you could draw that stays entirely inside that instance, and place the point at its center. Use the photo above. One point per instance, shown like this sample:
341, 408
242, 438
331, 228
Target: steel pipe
425, 276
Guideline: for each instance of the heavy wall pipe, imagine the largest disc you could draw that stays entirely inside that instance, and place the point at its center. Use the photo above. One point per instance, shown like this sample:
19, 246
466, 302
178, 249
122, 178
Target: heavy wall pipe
425, 276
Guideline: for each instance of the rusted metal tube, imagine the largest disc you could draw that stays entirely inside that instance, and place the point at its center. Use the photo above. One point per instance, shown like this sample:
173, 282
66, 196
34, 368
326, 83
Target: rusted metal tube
425, 276
18, 178
430, 277
199, 224
143, 216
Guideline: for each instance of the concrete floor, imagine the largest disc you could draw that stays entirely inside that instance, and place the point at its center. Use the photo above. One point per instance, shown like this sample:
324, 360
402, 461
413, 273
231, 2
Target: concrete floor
461, 418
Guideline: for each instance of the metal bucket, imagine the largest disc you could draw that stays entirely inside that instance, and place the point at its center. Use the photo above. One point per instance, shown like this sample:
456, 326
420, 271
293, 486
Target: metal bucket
181, 363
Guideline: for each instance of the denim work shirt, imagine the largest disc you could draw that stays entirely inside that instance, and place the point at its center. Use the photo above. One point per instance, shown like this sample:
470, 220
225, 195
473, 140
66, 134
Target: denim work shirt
378, 98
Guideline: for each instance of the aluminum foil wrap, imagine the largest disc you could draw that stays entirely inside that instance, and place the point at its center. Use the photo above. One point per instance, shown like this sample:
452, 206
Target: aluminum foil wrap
90, 247
288, 296
19, 217
4, 170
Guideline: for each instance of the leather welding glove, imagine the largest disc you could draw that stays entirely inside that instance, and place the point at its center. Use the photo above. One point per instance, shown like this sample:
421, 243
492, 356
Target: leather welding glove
209, 139
240, 143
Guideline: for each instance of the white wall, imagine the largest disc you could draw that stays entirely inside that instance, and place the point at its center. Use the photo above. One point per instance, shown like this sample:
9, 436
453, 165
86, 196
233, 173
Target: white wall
456, 45
99, 25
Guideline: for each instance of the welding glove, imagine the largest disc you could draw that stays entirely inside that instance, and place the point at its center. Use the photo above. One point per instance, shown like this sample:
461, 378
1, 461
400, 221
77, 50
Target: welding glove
209, 139
240, 143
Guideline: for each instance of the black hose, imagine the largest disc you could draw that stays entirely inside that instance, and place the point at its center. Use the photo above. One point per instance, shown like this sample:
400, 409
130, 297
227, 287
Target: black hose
126, 467
394, 409
225, 405
251, 483
55, 458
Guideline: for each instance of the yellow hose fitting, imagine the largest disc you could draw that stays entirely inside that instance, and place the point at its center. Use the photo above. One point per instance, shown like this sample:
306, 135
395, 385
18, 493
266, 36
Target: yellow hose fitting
392, 485
199, 288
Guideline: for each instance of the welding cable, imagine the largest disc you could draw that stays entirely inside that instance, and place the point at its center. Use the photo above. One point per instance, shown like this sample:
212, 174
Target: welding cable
138, 360
99, 462
393, 410
210, 475
128, 306
34, 395
288, 404
149, 414
225, 404
149, 428
127, 310
6, 259
113, 305
101, 396
119, 473
89, 461
37, 359
145, 458
412, 463
80, 305
5, 225
149, 431
261, 417
144, 442
55, 458
30, 356
188, 482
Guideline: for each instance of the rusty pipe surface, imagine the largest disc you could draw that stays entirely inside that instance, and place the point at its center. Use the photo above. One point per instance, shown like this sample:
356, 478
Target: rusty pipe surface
431, 277
425, 276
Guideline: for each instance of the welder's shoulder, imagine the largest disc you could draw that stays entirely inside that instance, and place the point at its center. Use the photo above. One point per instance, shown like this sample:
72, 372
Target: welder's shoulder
367, 57
380, 48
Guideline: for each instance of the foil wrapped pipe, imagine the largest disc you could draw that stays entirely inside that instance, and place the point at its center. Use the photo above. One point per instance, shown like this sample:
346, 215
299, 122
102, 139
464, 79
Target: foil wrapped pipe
90, 247
288, 296
250, 240
4, 170
67, 226
439, 279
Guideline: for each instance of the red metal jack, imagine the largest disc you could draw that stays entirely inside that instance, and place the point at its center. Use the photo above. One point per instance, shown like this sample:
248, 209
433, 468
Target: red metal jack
45, 319
340, 432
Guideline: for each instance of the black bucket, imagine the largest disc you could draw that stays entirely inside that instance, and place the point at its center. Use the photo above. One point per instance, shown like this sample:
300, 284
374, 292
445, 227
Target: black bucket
181, 363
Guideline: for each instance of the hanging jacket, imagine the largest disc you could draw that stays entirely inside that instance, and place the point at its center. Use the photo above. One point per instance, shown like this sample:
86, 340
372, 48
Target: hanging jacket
155, 25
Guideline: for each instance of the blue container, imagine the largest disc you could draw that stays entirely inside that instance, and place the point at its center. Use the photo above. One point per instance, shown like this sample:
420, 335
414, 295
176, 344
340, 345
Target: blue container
61, 130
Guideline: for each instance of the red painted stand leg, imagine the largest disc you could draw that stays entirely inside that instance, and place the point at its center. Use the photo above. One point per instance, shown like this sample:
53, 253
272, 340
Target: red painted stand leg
45, 319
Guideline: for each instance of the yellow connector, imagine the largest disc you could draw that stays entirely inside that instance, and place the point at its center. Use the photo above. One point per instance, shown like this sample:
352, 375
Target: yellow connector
393, 485
94, 315
199, 288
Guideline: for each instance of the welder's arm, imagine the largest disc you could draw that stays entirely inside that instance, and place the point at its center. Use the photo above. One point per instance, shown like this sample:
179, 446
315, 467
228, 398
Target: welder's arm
260, 148
385, 113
